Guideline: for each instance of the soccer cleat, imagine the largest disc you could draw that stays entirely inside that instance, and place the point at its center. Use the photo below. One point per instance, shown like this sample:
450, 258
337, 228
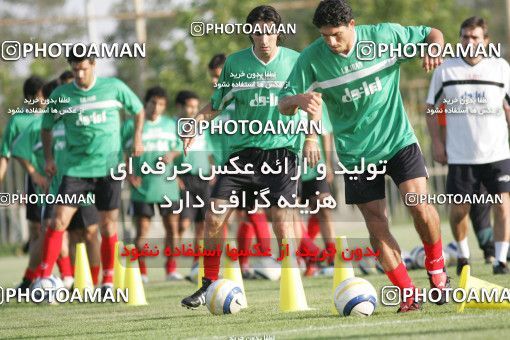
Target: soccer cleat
461, 262
500, 268
488, 253
106, 287
409, 306
68, 282
248, 274
145, 279
24, 285
193, 273
197, 299
440, 281
174, 276
311, 269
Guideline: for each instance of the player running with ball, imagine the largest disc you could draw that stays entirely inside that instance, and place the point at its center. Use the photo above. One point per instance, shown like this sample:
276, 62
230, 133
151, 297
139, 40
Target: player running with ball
369, 120
274, 64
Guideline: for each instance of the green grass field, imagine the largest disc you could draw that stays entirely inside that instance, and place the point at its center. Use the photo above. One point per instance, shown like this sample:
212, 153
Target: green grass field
164, 318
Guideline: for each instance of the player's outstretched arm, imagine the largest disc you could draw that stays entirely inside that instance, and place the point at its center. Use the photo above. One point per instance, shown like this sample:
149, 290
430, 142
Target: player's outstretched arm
47, 142
438, 145
310, 102
430, 63
137, 137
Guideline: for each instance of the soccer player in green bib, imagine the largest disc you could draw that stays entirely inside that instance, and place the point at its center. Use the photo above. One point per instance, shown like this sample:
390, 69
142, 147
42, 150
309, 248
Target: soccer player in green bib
89, 108
161, 144
253, 101
370, 122
19, 122
28, 149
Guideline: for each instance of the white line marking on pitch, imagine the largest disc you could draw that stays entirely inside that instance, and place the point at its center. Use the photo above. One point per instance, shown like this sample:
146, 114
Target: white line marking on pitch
358, 324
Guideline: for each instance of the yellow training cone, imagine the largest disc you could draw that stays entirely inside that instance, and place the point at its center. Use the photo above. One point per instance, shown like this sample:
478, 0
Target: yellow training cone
343, 269
232, 270
485, 296
133, 283
200, 264
119, 269
82, 275
292, 293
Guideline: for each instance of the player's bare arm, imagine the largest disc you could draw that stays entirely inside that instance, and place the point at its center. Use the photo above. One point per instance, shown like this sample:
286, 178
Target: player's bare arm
438, 145
137, 140
47, 138
206, 113
3, 168
37, 178
430, 63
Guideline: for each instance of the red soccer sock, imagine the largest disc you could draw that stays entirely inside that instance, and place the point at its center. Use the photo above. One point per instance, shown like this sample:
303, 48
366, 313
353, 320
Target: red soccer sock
72, 269
64, 265
313, 227
171, 265
434, 261
94, 270
400, 277
306, 243
331, 249
245, 234
212, 267
143, 266
107, 257
51, 250
259, 221
30, 274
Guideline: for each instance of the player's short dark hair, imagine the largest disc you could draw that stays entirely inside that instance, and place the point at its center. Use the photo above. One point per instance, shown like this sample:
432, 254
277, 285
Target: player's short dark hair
217, 61
474, 22
81, 54
266, 14
155, 91
31, 86
183, 96
332, 13
48, 88
65, 76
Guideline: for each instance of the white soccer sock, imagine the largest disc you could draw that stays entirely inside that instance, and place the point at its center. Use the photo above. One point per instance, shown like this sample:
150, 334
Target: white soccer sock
501, 251
463, 249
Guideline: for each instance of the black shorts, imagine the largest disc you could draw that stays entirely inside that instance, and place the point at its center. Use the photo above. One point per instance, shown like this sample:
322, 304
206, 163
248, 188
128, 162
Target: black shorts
408, 163
465, 179
142, 209
279, 185
106, 190
196, 187
308, 189
84, 217
32, 211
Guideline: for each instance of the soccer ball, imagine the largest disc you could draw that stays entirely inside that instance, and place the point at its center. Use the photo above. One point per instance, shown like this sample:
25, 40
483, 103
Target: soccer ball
268, 269
355, 296
225, 297
49, 286
407, 259
451, 250
368, 266
418, 257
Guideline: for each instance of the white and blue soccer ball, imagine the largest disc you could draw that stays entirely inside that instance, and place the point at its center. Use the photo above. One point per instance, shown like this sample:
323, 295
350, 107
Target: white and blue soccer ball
355, 296
451, 250
225, 297
49, 287
418, 257
407, 259
370, 266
